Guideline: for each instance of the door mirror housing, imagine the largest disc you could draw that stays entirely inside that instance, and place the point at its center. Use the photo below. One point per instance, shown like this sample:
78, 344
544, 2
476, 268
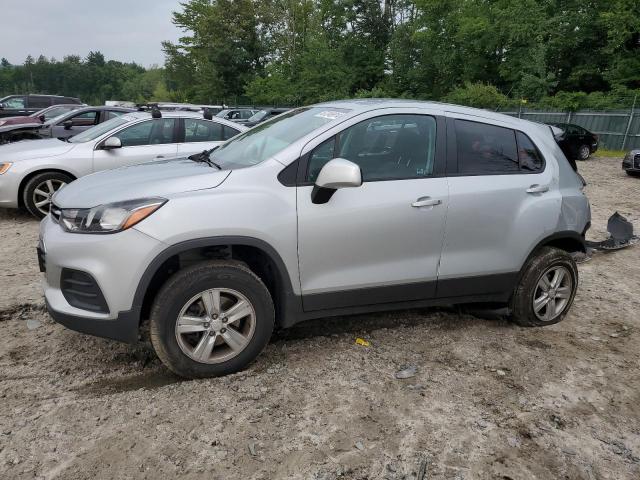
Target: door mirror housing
68, 124
112, 143
3, 106
42, 118
337, 173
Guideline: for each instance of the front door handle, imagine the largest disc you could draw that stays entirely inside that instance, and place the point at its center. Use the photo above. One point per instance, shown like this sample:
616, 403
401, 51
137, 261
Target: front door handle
535, 188
160, 156
426, 202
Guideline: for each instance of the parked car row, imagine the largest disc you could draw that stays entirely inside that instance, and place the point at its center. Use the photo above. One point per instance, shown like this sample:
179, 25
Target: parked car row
91, 139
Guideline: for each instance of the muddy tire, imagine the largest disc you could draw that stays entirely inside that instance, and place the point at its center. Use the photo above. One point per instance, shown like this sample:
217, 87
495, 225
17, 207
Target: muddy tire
546, 290
211, 319
38, 191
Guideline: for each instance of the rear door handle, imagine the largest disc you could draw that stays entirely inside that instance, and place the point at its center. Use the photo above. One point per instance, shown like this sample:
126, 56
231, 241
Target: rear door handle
426, 202
535, 188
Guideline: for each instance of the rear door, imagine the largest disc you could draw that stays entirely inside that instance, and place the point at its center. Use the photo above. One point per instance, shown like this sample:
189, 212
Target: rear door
142, 142
200, 134
381, 242
502, 199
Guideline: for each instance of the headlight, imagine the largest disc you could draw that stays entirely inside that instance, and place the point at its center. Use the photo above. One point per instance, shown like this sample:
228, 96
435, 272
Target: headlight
4, 167
110, 218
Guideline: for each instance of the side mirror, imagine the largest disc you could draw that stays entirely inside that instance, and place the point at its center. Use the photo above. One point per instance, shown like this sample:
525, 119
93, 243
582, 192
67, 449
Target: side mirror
68, 124
42, 118
337, 173
112, 143
3, 106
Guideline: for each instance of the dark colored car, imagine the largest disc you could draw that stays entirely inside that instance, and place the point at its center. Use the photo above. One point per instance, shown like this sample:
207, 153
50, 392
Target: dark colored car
578, 143
24, 105
631, 163
40, 116
264, 115
63, 126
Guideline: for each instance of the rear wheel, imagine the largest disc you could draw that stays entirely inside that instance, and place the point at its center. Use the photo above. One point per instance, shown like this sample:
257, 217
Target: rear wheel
211, 319
584, 152
546, 290
38, 191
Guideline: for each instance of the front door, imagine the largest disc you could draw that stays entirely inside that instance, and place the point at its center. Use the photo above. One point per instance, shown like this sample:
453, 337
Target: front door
143, 142
381, 242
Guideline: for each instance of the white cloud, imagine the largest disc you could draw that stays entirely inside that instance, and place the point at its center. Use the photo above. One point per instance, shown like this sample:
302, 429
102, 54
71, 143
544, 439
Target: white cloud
125, 30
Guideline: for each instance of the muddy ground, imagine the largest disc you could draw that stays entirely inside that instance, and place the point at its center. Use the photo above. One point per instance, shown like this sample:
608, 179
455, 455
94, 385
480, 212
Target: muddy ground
490, 400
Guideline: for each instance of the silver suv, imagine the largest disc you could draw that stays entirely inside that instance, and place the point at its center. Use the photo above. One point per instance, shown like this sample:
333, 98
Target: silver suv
338, 208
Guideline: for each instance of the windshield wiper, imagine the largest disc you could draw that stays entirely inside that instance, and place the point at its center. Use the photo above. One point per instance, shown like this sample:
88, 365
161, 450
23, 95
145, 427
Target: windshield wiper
203, 157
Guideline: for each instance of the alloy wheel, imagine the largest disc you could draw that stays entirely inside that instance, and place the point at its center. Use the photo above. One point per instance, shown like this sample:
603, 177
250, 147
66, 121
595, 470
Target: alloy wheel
215, 325
584, 152
44, 192
553, 293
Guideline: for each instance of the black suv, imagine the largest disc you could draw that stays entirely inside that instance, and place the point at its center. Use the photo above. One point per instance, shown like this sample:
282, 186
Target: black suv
22, 105
577, 143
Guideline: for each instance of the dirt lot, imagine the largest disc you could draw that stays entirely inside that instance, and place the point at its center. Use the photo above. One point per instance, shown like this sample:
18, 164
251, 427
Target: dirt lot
490, 400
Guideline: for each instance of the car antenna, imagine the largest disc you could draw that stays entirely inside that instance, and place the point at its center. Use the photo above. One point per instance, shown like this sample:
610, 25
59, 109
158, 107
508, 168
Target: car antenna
207, 114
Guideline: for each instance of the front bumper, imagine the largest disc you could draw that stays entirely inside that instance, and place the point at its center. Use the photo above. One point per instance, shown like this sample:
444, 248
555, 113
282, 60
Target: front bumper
116, 262
631, 163
9, 185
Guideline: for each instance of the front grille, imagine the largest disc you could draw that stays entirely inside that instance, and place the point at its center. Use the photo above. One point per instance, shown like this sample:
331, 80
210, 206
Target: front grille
81, 291
55, 213
636, 161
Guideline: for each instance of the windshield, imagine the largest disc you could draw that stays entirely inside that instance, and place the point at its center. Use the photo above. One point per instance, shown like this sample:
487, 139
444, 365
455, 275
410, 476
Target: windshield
261, 142
99, 130
258, 116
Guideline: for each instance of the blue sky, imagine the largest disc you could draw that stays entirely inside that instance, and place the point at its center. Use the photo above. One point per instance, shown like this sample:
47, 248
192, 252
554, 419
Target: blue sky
127, 30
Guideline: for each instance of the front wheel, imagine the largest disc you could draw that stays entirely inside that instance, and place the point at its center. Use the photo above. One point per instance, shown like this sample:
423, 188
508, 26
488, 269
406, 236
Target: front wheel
39, 190
211, 319
546, 290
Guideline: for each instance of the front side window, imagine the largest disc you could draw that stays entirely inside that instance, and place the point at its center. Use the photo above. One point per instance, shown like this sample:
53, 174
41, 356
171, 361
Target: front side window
391, 147
158, 131
15, 102
84, 119
196, 130
486, 149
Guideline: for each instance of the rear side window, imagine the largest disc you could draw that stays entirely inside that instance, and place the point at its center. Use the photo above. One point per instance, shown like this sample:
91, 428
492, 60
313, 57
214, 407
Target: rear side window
486, 149
491, 150
202, 131
36, 101
528, 154
228, 132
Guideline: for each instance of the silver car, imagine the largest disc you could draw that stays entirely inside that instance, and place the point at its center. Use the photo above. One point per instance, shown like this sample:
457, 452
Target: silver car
32, 171
338, 208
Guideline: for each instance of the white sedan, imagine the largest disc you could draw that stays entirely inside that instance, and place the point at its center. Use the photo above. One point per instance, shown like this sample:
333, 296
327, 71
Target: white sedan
32, 171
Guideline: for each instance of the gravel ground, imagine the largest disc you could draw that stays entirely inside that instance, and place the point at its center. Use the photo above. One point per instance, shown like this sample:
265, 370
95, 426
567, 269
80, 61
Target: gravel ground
489, 400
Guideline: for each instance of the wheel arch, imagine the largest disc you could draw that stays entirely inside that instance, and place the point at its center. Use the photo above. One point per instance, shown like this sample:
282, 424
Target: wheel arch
257, 254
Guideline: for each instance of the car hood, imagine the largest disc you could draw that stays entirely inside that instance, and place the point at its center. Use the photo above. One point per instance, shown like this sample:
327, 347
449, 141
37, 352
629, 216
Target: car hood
32, 149
154, 179
19, 120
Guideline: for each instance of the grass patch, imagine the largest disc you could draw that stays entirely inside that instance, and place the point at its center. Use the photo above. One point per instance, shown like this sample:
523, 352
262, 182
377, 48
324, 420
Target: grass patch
609, 153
